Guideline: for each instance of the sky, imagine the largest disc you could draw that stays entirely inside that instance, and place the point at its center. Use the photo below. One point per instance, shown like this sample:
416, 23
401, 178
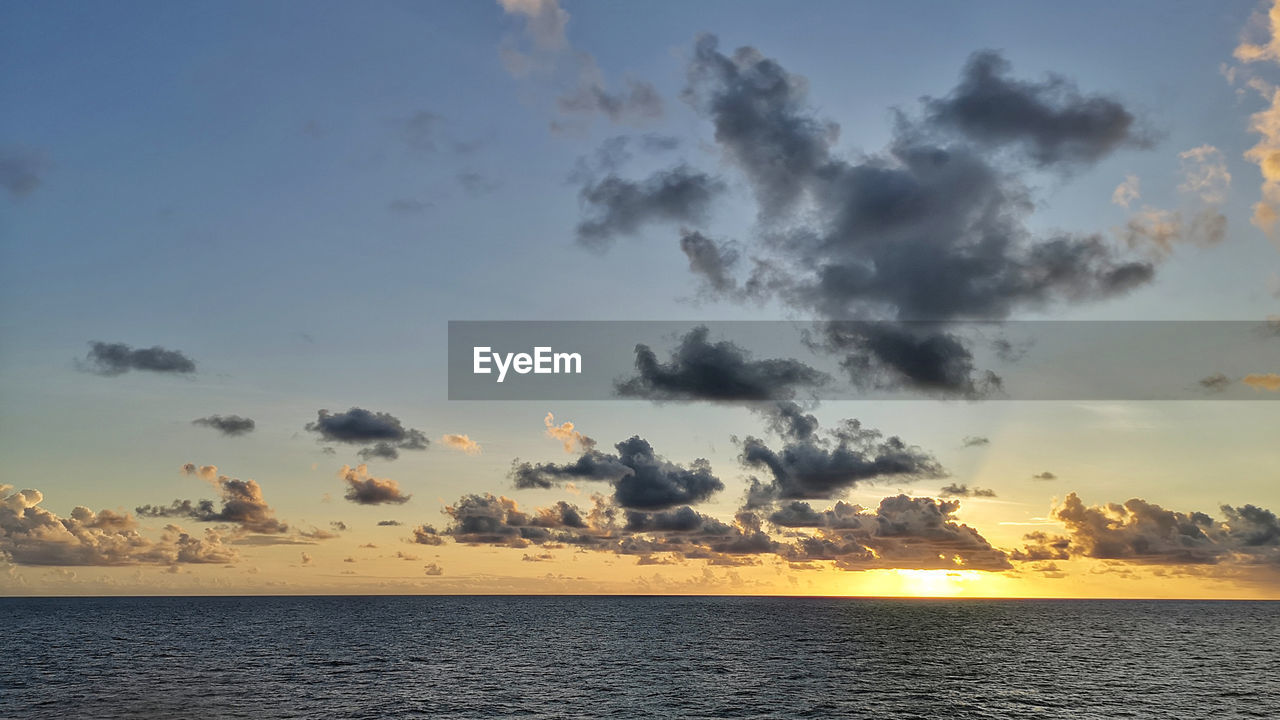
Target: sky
232, 237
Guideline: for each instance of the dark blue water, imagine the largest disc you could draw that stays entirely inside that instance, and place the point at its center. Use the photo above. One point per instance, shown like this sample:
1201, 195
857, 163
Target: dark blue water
553, 657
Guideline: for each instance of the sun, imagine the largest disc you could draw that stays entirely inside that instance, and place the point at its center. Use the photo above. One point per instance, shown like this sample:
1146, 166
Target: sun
936, 583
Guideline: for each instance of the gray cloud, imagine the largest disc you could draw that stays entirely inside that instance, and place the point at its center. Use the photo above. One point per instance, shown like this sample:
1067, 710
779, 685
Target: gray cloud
976, 441
724, 372
655, 483
1143, 532
379, 451
497, 520
1046, 475
931, 229
641, 479
591, 465
683, 532
902, 532
826, 467
683, 519
720, 371
713, 261
617, 206
1052, 121
110, 359
227, 424
790, 420
382, 433
921, 357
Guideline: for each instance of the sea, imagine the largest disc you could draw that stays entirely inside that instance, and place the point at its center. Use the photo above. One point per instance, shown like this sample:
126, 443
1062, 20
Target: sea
636, 657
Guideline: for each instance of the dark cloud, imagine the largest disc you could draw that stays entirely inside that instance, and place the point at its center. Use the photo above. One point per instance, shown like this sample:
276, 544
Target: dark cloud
790, 420
488, 519
716, 263
32, 535
713, 261
724, 372
682, 532
684, 519
21, 170
382, 433
1143, 532
923, 358
903, 532
1050, 120
242, 505
1046, 475
389, 523
364, 489
654, 483
117, 358
591, 465
931, 229
616, 206
954, 490
721, 372
826, 467
641, 479
760, 113
227, 424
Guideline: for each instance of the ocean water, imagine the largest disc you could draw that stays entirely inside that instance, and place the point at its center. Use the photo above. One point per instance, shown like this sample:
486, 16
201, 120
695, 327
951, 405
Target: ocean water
659, 657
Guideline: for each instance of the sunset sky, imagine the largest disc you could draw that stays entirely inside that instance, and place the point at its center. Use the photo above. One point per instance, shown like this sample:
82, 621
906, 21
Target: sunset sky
232, 236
